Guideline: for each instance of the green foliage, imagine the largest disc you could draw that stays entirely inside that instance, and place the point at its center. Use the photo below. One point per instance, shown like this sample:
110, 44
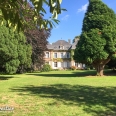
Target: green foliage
13, 12
60, 59
72, 54
14, 52
38, 40
112, 64
46, 68
11, 66
97, 42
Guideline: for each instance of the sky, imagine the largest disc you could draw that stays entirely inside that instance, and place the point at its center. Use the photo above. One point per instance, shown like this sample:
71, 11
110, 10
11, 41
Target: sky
71, 20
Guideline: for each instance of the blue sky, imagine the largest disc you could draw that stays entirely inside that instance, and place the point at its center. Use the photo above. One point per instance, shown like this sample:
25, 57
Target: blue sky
71, 20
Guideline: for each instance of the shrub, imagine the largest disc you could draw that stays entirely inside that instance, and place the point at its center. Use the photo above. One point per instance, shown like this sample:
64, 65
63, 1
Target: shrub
46, 68
73, 67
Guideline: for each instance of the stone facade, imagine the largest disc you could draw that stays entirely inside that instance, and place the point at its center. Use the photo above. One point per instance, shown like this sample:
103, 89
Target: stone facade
59, 55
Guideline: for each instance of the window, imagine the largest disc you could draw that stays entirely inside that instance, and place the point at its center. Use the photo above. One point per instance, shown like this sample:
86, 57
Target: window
68, 55
55, 55
79, 65
68, 64
55, 64
62, 64
83, 65
65, 64
76, 64
61, 47
61, 55
47, 54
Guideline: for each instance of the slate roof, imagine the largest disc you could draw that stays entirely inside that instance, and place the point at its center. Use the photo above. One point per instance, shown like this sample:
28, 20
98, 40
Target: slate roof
49, 46
66, 45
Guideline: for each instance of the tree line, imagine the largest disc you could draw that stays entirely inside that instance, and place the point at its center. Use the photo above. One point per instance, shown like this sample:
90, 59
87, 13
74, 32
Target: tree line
22, 51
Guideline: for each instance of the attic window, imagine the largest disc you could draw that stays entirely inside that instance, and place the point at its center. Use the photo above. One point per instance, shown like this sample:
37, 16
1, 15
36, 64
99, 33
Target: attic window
61, 47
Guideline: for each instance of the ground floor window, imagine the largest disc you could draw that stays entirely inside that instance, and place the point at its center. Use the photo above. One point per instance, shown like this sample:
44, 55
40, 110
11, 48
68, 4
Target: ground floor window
68, 64
62, 64
83, 65
78, 65
47, 54
65, 64
55, 64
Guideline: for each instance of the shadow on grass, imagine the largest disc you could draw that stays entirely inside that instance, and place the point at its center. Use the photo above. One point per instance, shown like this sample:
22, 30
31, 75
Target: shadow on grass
5, 77
60, 74
97, 101
82, 73
110, 73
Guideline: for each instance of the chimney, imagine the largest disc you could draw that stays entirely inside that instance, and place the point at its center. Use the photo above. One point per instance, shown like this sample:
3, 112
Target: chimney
69, 41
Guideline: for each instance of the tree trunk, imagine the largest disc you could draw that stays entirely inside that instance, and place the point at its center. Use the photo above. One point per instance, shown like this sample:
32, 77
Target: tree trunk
99, 69
99, 66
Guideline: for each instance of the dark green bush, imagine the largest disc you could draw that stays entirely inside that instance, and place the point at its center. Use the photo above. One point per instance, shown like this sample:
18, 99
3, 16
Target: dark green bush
46, 68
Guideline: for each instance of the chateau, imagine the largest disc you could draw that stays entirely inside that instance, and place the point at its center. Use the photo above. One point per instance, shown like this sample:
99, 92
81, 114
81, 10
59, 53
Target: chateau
60, 55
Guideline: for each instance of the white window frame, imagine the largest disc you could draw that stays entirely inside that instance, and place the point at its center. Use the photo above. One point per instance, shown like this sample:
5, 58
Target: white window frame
55, 55
47, 54
55, 64
61, 47
67, 55
62, 64
61, 55
68, 64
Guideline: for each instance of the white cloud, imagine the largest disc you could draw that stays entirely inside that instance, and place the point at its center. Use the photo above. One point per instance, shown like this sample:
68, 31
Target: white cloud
65, 17
83, 8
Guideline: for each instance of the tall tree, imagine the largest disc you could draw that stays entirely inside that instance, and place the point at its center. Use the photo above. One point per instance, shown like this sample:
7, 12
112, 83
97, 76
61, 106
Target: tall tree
12, 12
38, 40
97, 42
14, 51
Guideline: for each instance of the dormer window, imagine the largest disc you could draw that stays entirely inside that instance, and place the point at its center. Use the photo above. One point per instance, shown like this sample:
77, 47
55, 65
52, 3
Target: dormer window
61, 47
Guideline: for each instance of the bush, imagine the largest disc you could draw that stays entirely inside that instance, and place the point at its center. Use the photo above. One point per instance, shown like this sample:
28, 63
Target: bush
73, 67
46, 68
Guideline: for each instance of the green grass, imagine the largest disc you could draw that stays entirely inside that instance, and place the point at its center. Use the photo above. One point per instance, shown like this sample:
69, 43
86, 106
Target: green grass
59, 93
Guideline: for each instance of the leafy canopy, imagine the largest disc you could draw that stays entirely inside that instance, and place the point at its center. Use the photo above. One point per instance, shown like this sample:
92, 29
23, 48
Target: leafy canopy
14, 51
98, 38
12, 12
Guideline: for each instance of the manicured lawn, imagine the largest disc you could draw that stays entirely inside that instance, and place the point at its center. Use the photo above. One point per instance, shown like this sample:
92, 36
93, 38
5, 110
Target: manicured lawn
58, 93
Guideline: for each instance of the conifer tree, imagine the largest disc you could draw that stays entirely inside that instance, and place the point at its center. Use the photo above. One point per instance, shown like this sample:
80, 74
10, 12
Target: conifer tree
14, 51
97, 43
